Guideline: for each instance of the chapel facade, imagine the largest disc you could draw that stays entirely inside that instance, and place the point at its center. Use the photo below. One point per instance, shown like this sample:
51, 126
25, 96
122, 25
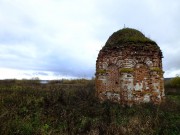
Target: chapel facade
129, 69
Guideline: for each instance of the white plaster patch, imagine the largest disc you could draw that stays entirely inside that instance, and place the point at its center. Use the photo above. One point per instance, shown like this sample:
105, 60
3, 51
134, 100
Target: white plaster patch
146, 85
101, 78
138, 66
159, 96
149, 62
117, 96
111, 95
108, 94
128, 63
119, 63
146, 98
138, 86
156, 87
104, 65
163, 94
130, 95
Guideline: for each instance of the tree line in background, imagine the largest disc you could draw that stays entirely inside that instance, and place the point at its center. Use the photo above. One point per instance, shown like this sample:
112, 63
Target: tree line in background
172, 85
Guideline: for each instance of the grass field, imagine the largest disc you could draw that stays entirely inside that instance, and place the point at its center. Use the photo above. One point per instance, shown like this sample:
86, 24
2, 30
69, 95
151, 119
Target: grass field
70, 108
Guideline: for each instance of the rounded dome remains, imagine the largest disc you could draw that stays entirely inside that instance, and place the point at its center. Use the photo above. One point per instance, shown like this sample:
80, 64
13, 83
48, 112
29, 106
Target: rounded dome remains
130, 36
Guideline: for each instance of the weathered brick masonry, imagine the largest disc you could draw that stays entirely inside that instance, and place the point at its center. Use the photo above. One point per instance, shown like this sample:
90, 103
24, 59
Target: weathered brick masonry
129, 69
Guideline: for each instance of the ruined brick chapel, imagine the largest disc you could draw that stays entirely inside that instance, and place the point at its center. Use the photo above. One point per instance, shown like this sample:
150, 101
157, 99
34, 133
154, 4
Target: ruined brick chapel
129, 69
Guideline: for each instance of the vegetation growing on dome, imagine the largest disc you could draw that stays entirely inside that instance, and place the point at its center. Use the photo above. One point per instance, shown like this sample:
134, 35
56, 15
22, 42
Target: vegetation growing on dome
101, 71
157, 69
126, 70
127, 35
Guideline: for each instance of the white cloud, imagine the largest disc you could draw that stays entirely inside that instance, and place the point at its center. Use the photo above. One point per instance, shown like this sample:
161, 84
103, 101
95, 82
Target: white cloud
7, 73
64, 36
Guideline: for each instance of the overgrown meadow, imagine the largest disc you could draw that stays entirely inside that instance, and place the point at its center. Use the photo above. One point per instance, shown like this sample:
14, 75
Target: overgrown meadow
69, 107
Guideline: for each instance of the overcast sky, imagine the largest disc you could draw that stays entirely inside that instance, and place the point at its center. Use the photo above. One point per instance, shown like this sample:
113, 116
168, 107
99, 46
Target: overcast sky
51, 39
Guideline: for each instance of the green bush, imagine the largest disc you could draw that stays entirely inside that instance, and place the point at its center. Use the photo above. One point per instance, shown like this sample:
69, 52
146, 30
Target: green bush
175, 82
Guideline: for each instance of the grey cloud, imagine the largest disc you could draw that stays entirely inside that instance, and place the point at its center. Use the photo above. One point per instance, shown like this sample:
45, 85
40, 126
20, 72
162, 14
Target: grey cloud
41, 73
69, 66
172, 60
57, 42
